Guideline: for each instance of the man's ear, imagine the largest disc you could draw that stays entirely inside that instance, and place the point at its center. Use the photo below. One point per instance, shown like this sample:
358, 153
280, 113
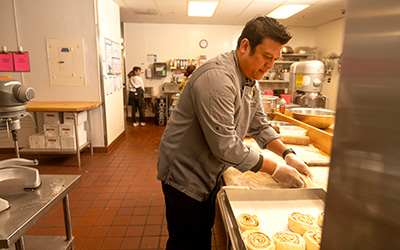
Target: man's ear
244, 45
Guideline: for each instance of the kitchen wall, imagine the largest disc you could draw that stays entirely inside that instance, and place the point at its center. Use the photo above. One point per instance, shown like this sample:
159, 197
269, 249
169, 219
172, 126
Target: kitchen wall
329, 39
180, 41
64, 19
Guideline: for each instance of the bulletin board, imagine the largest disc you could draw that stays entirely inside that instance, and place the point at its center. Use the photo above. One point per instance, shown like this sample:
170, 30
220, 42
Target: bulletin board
113, 57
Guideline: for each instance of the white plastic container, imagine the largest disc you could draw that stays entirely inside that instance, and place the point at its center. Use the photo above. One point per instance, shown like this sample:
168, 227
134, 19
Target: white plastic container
292, 130
51, 118
37, 141
69, 117
51, 130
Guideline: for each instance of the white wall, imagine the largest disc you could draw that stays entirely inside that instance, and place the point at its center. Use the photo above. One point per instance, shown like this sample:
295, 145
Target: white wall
180, 41
109, 23
329, 39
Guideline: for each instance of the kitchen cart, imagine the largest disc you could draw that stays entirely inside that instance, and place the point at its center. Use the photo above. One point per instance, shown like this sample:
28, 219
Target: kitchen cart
29, 206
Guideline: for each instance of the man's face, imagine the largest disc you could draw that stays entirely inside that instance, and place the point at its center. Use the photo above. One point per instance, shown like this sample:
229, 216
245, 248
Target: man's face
255, 65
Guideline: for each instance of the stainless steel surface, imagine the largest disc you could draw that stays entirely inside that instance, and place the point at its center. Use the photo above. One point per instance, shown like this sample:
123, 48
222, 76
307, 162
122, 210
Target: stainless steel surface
27, 208
30, 176
4, 204
46, 243
363, 200
13, 99
309, 100
269, 104
273, 208
320, 118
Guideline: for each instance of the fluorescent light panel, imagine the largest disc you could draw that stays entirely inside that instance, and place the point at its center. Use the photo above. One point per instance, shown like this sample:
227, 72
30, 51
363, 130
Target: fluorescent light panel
286, 11
204, 9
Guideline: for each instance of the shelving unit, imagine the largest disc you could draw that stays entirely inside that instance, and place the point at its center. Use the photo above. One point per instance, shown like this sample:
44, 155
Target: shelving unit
74, 107
285, 62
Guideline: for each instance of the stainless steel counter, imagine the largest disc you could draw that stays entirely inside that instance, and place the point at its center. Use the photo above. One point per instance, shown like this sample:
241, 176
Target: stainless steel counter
28, 206
169, 89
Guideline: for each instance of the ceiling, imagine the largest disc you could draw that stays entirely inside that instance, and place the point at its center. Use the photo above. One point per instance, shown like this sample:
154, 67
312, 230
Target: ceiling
229, 12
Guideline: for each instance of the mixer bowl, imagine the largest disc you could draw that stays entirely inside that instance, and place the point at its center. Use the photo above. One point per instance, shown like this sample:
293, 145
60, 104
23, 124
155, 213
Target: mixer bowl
320, 118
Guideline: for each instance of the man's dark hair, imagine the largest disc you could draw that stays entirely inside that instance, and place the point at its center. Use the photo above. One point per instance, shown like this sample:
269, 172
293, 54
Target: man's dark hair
262, 27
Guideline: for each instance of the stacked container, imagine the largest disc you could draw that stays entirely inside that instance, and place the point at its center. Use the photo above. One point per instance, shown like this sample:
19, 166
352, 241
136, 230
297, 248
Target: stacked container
67, 130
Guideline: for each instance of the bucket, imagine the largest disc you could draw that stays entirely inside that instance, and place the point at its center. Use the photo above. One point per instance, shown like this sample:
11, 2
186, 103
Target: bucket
287, 98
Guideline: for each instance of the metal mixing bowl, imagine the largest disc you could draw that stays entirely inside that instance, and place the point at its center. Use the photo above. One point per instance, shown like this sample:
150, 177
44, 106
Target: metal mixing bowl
320, 118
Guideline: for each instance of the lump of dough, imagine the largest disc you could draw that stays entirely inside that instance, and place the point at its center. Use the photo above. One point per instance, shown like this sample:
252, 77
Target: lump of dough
256, 240
247, 222
301, 223
312, 239
320, 219
288, 241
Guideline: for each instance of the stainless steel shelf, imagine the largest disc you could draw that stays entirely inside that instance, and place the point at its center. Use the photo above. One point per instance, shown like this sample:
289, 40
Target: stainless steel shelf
47, 243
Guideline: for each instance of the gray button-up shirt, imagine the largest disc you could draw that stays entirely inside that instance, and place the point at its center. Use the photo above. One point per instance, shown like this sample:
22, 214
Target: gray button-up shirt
205, 133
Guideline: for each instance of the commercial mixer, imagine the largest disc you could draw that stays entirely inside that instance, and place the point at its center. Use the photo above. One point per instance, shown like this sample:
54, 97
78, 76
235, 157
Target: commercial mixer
306, 80
13, 99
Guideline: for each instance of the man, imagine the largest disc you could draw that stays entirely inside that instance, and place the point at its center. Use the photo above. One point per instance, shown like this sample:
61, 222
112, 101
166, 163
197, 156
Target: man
219, 105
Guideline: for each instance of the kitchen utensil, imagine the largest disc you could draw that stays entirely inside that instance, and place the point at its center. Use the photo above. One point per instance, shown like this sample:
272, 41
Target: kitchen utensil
320, 118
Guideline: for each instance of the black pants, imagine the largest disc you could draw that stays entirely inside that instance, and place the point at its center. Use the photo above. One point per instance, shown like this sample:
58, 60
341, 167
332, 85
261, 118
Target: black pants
189, 221
136, 100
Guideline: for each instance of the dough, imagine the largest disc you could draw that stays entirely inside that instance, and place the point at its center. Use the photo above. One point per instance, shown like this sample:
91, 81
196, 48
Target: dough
301, 223
256, 240
313, 240
247, 222
321, 218
288, 241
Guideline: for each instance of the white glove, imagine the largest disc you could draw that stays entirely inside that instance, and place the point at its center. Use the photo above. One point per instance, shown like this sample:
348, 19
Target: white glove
288, 176
294, 161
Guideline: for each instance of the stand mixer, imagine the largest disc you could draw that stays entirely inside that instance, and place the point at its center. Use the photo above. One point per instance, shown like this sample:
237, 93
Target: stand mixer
306, 83
13, 99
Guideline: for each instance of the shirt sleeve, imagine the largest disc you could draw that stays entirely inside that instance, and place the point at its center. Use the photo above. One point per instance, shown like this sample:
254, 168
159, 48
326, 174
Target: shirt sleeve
214, 97
260, 130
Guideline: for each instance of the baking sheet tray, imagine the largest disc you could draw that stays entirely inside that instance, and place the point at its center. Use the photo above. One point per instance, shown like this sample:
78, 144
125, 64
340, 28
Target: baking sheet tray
273, 208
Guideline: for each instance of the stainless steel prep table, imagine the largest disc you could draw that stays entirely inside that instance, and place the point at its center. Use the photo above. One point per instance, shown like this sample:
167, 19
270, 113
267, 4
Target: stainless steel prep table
29, 206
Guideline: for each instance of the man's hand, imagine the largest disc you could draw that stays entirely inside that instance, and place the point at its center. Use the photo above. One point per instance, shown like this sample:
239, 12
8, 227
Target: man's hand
288, 176
294, 161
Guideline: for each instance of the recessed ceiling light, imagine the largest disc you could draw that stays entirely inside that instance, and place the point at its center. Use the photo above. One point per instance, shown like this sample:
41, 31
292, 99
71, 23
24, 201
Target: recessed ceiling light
285, 11
204, 9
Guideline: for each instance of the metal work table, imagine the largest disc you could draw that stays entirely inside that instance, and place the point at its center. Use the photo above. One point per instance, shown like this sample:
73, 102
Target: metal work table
29, 206
73, 107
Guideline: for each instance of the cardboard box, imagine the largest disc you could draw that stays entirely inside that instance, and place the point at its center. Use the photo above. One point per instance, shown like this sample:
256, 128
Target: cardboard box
53, 142
51, 117
51, 130
69, 117
37, 141
68, 142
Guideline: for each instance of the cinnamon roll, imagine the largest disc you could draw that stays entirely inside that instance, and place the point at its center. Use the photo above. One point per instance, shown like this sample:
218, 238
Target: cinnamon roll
313, 240
321, 218
247, 221
301, 223
288, 241
256, 240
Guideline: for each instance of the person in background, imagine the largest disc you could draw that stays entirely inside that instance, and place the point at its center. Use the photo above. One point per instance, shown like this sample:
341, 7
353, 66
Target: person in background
219, 105
136, 95
189, 71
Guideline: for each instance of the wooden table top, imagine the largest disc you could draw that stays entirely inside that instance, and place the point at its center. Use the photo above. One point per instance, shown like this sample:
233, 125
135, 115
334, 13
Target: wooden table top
61, 106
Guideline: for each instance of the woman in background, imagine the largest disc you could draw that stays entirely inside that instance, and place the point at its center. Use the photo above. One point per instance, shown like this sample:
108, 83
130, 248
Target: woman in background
136, 90
189, 71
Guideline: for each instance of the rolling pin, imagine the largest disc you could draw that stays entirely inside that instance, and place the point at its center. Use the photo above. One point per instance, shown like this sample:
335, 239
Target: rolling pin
295, 139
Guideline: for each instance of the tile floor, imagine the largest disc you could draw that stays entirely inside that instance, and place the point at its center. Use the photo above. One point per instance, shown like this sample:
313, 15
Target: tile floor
119, 203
